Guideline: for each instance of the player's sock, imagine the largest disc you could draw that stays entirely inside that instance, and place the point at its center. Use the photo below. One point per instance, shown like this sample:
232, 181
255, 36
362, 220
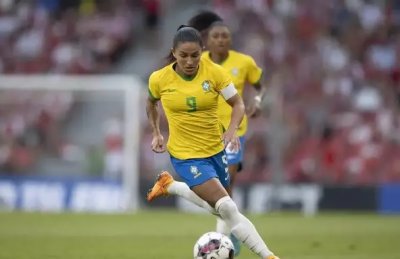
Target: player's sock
236, 244
222, 227
181, 189
241, 227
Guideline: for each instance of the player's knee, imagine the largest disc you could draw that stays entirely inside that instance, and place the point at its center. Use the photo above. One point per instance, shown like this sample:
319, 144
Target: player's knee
226, 207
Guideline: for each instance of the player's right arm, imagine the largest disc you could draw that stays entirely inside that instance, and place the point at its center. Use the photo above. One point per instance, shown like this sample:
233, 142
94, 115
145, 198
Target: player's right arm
153, 114
230, 135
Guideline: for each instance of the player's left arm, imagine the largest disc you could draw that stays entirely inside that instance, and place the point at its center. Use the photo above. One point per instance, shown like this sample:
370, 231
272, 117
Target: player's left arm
255, 104
232, 97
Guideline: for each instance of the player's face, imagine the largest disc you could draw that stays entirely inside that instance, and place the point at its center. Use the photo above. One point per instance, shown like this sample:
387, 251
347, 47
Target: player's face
187, 56
219, 39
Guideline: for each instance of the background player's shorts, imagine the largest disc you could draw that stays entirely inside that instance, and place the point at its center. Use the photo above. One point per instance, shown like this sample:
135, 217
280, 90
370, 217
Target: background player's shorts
196, 171
236, 158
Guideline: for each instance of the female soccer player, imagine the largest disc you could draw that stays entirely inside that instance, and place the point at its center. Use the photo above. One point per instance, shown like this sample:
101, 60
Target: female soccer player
189, 89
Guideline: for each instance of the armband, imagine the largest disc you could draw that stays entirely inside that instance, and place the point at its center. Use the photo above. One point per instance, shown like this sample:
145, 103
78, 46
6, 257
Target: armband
229, 91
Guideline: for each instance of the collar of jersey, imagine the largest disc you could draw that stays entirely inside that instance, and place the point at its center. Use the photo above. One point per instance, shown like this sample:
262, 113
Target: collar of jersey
223, 61
186, 78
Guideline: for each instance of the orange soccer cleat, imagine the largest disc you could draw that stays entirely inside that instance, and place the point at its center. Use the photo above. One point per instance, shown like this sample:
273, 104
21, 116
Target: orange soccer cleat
160, 186
272, 257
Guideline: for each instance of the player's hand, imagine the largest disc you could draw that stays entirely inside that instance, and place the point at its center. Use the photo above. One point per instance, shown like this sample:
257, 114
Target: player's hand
255, 107
157, 144
231, 141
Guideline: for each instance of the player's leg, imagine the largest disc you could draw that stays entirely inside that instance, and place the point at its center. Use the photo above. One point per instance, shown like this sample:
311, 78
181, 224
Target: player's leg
193, 172
202, 175
234, 166
214, 193
242, 227
182, 189
221, 226
166, 185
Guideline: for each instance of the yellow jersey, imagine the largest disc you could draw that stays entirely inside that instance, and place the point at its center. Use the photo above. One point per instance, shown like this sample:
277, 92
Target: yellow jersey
243, 69
190, 106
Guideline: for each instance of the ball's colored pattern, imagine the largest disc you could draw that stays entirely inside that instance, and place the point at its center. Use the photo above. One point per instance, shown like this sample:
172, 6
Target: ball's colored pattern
213, 245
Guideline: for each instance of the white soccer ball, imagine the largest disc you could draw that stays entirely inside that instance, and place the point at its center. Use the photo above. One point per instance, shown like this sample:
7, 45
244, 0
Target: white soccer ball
213, 245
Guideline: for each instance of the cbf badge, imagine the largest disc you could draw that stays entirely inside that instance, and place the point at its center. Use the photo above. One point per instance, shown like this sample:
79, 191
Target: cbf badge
195, 171
206, 86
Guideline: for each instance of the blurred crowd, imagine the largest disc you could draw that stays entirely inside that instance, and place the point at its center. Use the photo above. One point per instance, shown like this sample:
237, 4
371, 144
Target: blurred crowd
332, 115
54, 37
63, 36
337, 65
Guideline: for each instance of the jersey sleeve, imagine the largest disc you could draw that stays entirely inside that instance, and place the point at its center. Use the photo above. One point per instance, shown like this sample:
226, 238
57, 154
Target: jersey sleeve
224, 79
154, 89
254, 72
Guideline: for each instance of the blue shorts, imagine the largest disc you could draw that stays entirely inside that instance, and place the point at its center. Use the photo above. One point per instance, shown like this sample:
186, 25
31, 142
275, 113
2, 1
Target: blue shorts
196, 171
236, 158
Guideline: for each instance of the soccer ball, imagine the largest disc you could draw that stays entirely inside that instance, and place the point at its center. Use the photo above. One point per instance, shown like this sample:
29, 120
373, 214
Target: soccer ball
213, 245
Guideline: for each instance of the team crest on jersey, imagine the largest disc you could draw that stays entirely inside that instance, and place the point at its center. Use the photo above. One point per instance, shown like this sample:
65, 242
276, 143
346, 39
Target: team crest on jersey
195, 171
206, 86
235, 71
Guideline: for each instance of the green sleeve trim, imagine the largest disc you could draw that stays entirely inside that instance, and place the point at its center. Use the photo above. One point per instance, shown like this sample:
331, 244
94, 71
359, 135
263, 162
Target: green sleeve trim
257, 84
152, 96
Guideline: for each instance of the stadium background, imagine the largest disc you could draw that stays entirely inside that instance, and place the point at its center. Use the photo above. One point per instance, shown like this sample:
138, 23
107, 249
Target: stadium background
329, 139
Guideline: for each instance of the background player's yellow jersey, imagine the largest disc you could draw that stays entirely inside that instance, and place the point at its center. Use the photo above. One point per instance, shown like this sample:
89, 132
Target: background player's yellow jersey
191, 108
243, 69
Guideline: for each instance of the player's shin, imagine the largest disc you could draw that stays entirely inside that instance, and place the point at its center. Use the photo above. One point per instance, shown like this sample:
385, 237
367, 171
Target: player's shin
241, 227
222, 227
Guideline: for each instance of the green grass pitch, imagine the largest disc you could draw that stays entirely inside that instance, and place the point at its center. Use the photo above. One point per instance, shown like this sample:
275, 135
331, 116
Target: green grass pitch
171, 235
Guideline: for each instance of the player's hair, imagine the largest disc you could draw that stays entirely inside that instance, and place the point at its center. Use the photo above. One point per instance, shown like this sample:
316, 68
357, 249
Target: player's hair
184, 34
217, 23
203, 20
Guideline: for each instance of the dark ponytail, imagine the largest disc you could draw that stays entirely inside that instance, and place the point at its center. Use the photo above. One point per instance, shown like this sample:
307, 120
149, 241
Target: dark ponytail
184, 33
